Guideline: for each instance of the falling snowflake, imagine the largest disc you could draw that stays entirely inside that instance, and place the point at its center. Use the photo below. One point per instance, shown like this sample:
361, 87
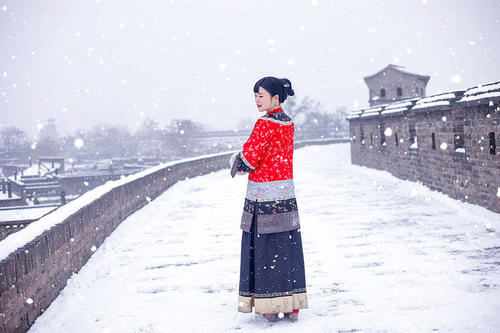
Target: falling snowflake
78, 143
456, 79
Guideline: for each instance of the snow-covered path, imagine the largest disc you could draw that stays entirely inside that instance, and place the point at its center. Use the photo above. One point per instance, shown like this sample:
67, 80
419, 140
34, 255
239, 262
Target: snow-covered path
381, 254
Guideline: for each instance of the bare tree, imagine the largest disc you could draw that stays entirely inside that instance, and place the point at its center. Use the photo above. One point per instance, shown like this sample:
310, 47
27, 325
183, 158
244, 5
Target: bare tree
312, 121
13, 138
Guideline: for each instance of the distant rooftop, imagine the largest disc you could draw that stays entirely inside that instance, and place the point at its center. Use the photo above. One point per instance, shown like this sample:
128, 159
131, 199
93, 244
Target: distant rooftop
400, 69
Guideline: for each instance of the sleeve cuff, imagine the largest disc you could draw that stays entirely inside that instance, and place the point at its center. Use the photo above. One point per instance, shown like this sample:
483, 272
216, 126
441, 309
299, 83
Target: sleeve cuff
242, 157
239, 166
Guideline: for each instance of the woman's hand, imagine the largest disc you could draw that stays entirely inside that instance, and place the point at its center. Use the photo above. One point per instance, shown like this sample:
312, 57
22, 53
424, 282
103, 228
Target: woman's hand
237, 166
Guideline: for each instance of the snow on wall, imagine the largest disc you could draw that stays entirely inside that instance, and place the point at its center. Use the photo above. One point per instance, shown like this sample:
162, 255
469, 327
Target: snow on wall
485, 91
394, 110
399, 105
438, 97
480, 96
428, 105
483, 88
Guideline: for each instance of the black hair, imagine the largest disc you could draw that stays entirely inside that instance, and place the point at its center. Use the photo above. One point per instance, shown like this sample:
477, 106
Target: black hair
275, 86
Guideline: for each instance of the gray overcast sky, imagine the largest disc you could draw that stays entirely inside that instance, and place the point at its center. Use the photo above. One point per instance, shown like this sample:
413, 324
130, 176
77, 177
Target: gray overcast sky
116, 62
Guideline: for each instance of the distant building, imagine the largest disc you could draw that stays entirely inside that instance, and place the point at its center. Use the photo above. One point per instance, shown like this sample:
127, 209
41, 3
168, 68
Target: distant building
49, 130
392, 83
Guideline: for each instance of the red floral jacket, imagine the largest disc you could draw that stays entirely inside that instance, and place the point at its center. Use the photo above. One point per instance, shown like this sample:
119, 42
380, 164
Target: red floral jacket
267, 156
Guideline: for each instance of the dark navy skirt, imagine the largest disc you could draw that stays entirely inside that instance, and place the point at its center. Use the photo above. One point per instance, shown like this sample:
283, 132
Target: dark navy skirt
272, 275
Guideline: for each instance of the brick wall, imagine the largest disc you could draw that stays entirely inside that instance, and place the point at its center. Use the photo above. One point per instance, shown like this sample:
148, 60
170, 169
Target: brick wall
443, 141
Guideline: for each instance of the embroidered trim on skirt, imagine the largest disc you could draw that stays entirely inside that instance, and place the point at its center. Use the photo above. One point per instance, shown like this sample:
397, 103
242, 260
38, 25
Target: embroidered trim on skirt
272, 275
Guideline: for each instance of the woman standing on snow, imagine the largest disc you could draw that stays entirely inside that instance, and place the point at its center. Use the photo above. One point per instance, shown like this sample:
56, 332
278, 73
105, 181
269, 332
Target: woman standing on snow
272, 276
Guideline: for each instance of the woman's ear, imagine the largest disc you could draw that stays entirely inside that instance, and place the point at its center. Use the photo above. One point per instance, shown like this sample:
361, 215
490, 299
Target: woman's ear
276, 99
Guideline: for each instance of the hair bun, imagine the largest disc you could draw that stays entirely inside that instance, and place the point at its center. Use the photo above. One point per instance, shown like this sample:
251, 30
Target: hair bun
288, 86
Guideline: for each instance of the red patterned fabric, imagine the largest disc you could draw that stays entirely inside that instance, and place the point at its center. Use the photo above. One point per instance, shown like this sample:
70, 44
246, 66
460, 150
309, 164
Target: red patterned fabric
269, 150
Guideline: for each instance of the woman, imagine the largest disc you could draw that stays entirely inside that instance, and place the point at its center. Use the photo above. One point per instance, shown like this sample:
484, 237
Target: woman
272, 277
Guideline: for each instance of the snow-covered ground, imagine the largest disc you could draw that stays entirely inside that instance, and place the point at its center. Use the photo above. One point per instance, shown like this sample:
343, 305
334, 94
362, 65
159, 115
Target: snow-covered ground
381, 254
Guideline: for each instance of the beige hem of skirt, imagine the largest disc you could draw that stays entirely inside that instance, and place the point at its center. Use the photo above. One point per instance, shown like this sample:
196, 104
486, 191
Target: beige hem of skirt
272, 304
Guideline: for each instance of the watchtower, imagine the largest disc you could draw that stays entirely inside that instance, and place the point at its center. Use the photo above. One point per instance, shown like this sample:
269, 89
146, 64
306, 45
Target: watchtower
393, 83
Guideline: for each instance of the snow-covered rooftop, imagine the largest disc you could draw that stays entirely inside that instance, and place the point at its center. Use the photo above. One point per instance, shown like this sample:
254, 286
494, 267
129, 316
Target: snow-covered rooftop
35, 170
13, 214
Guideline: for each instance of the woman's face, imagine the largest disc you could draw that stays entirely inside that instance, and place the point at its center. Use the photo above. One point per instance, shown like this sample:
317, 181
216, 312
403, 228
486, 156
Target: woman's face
264, 101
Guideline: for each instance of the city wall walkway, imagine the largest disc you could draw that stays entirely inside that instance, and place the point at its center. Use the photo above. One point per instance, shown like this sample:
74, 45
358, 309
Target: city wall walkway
380, 254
